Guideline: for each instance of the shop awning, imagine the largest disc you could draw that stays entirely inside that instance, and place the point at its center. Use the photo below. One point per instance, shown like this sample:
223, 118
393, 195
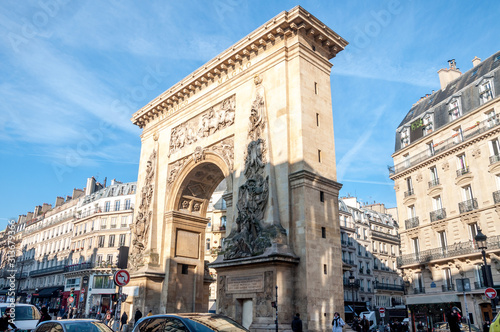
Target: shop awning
359, 309
4, 291
49, 292
348, 309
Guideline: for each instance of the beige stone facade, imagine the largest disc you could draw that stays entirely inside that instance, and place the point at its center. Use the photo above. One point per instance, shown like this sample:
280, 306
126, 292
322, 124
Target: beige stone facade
259, 115
446, 178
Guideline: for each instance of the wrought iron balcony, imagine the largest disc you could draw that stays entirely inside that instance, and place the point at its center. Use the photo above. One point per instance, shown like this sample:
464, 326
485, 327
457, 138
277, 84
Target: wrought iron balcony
468, 205
412, 223
448, 287
78, 267
479, 284
496, 197
380, 285
433, 183
457, 249
354, 285
462, 171
409, 193
419, 290
494, 159
438, 215
49, 270
348, 261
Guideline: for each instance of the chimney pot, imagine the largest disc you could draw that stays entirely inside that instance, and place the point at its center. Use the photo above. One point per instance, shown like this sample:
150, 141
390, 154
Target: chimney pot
476, 61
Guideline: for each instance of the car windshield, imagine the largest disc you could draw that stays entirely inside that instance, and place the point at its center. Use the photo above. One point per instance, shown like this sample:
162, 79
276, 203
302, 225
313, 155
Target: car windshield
23, 313
221, 323
86, 327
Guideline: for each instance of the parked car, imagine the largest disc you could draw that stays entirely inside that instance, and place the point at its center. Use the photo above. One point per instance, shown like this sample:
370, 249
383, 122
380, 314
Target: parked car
495, 324
73, 325
190, 322
26, 318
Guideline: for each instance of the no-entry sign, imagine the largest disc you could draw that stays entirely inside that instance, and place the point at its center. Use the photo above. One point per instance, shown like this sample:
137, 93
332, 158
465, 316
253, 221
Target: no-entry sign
381, 310
122, 277
490, 293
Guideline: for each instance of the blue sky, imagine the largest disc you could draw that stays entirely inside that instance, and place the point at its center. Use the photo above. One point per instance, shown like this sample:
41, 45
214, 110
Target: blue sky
72, 74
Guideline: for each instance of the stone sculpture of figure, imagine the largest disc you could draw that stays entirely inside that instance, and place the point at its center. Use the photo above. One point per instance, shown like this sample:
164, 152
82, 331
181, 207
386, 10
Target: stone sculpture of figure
196, 207
213, 122
185, 204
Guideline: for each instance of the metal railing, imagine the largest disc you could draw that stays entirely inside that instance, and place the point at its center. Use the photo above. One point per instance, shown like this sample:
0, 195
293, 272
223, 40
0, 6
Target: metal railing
80, 215
463, 171
433, 183
379, 285
448, 287
354, 285
412, 223
438, 214
348, 261
468, 133
496, 196
49, 270
457, 249
494, 159
467, 206
409, 193
419, 290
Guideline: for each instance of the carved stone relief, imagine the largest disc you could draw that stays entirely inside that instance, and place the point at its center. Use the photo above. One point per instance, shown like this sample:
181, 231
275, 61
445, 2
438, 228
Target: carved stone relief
216, 118
140, 228
476, 153
445, 166
419, 177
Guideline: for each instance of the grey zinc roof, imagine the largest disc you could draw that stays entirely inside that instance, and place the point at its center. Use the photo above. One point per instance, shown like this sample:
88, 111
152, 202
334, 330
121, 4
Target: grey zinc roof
463, 86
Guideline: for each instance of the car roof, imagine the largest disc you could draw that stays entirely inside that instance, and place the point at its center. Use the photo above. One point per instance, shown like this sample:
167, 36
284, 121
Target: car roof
72, 320
17, 305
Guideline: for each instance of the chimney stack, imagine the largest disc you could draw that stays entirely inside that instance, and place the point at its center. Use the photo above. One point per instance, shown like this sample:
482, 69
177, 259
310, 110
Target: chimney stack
29, 216
68, 198
78, 193
46, 207
448, 75
90, 188
476, 61
38, 210
59, 201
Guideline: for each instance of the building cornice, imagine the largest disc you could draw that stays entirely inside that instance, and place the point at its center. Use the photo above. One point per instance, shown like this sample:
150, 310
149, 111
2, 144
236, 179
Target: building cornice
284, 25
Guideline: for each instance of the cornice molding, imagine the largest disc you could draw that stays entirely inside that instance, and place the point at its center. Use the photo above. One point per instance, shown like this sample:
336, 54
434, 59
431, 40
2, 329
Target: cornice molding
236, 59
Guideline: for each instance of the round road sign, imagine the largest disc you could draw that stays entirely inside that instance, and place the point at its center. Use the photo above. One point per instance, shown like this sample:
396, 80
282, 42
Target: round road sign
121, 278
490, 293
381, 310
71, 299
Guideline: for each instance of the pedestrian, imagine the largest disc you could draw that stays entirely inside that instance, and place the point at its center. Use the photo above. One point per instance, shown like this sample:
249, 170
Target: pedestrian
355, 324
486, 326
61, 312
6, 320
45, 316
123, 320
137, 316
297, 323
337, 323
365, 324
454, 320
150, 313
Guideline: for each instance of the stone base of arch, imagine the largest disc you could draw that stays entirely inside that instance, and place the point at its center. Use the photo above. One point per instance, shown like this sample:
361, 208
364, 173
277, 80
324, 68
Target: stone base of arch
255, 281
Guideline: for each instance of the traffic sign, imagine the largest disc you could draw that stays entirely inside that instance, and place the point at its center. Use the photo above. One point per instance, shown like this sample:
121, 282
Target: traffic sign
70, 299
381, 310
490, 293
121, 278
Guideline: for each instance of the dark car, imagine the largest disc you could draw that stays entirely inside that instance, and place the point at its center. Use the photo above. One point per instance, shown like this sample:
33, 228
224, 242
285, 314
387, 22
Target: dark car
73, 325
190, 322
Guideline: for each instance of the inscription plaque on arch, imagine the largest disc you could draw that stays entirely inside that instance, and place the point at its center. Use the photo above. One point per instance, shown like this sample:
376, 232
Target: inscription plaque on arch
243, 284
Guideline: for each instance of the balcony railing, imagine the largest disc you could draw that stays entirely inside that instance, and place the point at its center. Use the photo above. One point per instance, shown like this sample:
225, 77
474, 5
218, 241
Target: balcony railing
78, 267
386, 236
419, 290
433, 183
97, 211
468, 133
355, 285
457, 249
348, 261
49, 270
448, 287
468, 205
438, 215
496, 197
379, 285
412, 223
462, 171
494, 159
409, 193
479, 284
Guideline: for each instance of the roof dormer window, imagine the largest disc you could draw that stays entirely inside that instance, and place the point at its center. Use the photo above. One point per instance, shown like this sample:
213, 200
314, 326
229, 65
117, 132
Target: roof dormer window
428, 124
485, 91
454, 109
405, 137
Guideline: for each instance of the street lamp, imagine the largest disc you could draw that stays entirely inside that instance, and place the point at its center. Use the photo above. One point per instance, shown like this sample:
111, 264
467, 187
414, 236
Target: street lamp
487, 277
352, 281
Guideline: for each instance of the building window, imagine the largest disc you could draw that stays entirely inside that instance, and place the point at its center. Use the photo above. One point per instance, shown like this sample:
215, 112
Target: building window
107, 206
479, 283
127, 204
317, 119
415, 245
437, 204
462, 165
430, 148
458, 135
428, 125
100, 241
494, 151
467, 193
113, 223
109, 259
323, 232
208, 244
418, 282
485, 91
124, 221
117, 205
434, 177
491, 119
315, 88
324, 268
473, 232
405, 137
111, 241
409, 187
454, 109
122, 240
321, 196
223, 220
447, 281
99, 259
104, 282
442, 239
104, 222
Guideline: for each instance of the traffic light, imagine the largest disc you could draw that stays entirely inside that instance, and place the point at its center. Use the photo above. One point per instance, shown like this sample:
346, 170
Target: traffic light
122, 257
72, 292
114, 297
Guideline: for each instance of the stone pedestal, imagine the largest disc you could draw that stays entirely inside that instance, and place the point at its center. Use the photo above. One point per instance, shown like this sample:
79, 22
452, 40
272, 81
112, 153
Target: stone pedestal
246, 289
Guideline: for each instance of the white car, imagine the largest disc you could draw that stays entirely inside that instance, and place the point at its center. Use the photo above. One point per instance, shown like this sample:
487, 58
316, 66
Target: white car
26, 316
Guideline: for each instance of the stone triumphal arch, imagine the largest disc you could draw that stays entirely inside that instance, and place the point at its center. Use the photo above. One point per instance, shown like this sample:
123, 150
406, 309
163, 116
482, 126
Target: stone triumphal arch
259, 115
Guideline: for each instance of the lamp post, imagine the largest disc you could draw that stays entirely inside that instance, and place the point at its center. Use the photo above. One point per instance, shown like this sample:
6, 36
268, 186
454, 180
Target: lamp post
487, 277
352, 281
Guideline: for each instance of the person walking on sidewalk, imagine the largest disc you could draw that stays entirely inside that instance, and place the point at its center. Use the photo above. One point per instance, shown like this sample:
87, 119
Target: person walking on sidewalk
297, 323
337, 323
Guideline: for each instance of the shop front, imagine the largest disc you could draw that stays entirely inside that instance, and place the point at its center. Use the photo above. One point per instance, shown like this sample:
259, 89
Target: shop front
49, 297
